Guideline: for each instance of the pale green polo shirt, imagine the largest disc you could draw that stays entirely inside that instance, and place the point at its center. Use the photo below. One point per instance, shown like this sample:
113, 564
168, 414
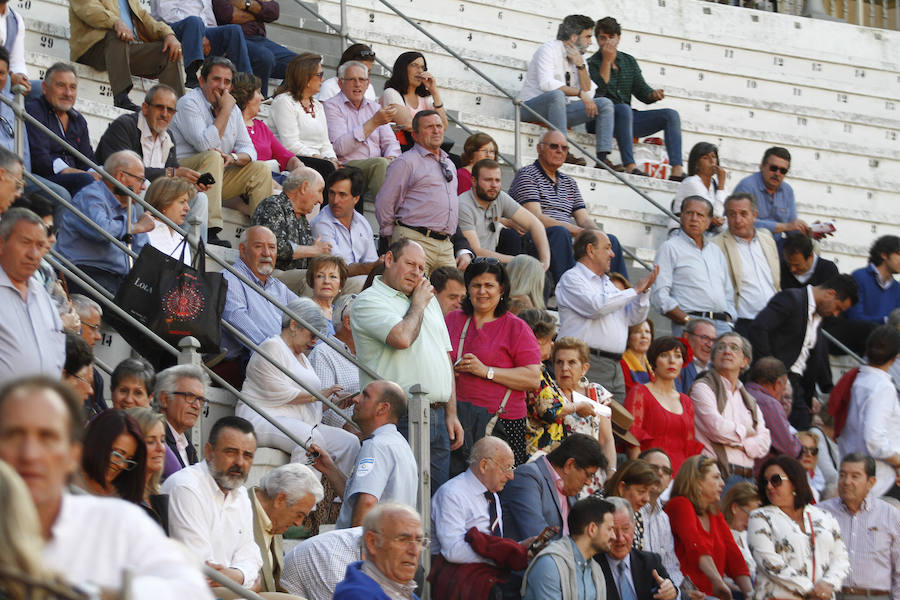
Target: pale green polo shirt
375, 312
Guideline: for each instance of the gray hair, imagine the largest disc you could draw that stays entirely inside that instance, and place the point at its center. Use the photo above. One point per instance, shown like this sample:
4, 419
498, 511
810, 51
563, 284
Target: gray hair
691, 326
622, 505
167, 381
526, 278
746, 347
307, 310
699, 200
84, 305
12, 217
246, 232
150, 96
894, 318
383, 510
121, 160
294, 480
754, 207
299, 176
487, 447
342, 307
9, 159
342, 70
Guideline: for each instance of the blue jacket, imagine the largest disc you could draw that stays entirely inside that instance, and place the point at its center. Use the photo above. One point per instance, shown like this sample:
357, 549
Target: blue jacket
875, 303
359, 586
44, 150
530, 502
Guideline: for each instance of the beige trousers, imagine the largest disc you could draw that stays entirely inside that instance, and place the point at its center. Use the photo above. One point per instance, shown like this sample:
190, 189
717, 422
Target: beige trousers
437, 253
253, 179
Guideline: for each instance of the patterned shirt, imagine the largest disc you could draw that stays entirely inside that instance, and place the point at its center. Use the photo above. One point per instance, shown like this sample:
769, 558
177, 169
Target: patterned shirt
277, 213
313, 568
334, 369
559, 200
658, 538
623, 82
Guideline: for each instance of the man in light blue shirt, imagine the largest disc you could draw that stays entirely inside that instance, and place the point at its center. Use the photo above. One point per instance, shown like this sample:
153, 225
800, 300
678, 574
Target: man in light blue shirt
774, 197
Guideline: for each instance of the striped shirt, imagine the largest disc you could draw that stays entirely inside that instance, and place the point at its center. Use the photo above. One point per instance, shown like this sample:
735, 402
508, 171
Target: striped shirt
624, 82
872, 537
559, 200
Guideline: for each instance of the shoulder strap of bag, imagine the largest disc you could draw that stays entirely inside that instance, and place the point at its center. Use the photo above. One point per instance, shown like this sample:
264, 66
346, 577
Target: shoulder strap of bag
199, 261
462, 338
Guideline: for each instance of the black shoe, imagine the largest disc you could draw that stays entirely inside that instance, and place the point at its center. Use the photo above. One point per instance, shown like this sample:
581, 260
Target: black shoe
212, 237
123, 101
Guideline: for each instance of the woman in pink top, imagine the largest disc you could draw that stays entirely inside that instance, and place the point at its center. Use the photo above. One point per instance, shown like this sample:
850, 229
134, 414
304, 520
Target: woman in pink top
412, 88
494, 353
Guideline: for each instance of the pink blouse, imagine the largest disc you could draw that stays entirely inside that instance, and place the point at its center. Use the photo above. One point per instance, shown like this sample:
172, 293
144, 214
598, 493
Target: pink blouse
267, 145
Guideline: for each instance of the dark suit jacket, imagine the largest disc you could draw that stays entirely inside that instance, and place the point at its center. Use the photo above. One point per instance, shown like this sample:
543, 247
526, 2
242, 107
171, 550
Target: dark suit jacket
123, 134
825, 270
191, 451
642, 566
530, 502
778, 331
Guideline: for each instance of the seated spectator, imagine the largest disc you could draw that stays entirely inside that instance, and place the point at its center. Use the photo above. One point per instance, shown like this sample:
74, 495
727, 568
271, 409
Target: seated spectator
114, 462
385, 468
736, 506
767, 382
31, 338
657, 533
693, 273
879, 291
484, 206
314, 567
703, 541
346, 229
635, 367
784, 568
124, 43
283, 399
553, 197
107, 208
284, 497
774, 197
331, 87
618, 77
564, 569
801, 265
267, 58
332, 368
194, 24
210, 137
809, 458
629, 571
269, 149
89, 315
181, 394
633, 482
358, 127
392, 540
84, 534
411, 88
284, 215
700, 335
131, 384
706, 178
54, 109
153, 432
78, 370
478, 146
44, 207
171, 196
543, 491
527, 281
326, 277
663, 417
449, 288
497, 360
752, 259
298, 118
210, 511
557, 87
150, 126
874, 412
13, 178
14, 45
728, 422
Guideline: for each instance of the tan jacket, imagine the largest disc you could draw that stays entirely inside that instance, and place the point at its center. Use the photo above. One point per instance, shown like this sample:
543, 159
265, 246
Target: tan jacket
89, 20
272, 555
728, 244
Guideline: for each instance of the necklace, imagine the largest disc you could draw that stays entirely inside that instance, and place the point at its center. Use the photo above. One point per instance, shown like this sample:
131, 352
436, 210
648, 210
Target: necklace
311, 111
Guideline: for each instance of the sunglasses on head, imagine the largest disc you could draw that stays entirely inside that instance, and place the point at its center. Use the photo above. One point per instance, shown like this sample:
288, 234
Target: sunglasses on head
781, 170
487, 259
448, 174
775, 480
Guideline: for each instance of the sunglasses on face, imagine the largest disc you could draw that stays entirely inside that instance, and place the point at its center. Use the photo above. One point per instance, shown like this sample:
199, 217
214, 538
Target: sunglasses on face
810, 450
775, 480
781, 170
555, 146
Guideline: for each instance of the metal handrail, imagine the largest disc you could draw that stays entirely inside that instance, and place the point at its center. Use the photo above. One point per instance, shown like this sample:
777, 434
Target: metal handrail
227, 583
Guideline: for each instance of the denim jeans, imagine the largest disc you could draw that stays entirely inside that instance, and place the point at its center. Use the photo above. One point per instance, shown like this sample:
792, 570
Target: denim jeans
632, 123
552, 106
268, 59
227, 41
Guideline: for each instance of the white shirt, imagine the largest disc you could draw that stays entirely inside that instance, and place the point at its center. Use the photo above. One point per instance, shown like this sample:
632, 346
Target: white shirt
757, 284
591, 308
168, 241
813, 320
181, 443
214, 526
547, 71
314, 567
331, 87
155, 148
301, 133
658, 538
693, 186
172, 11
804, 277
740, 538
96, 540
17, 54
456, 507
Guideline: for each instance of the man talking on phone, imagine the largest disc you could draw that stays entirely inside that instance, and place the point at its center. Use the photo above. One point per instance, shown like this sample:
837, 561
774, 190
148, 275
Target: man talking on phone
399, 331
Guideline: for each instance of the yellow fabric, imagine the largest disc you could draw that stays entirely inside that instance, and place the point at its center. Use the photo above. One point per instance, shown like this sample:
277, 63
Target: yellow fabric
635, 362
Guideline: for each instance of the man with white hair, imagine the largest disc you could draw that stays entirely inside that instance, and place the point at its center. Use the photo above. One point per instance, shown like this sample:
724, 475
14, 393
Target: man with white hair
285, 215
180, 392
284, 497
89, 314
331, 366
359, 128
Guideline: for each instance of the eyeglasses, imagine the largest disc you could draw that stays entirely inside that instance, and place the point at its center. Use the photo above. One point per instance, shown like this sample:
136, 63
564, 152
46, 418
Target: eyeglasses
775, 480
661, 470
405, 539
810, 450
320, 74
355, 79
81, 379
555, 146
169, 110
731, 346
192, 399
506, 470
448, 174
141, 177
781, 170
365, 54
126, 464
487, 259
703, 338
91, 326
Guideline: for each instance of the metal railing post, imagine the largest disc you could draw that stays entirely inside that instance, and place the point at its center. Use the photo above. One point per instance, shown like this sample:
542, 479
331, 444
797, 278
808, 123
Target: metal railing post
18, 91
517, 147
343, 25
419, 413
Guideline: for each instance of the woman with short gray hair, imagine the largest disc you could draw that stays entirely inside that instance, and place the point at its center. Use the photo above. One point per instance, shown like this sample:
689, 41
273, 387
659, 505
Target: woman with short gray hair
283, 399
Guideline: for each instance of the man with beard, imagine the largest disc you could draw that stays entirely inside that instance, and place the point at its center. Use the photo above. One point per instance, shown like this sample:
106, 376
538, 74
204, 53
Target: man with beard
481, 209
209, 509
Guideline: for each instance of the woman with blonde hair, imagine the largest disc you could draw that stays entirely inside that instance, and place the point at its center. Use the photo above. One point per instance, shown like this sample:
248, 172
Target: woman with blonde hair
526, 281
170, 196
736, 505
153, 428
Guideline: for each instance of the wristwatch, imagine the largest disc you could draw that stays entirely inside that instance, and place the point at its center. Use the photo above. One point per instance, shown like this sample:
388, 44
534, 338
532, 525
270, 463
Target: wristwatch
234, 156
580, 67
247, 4
490, 373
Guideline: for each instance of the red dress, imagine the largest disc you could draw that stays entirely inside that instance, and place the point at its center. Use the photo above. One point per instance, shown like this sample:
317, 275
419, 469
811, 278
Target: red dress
692, 541
654, 426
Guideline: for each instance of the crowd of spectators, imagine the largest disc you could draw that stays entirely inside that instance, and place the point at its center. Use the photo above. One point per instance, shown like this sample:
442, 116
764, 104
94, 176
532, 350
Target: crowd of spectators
573, 454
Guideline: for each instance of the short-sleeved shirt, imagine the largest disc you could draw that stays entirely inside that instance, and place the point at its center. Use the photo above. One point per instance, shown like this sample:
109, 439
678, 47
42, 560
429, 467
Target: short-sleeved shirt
504, 343
472, 216
385, 468
559, 200
375, 312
